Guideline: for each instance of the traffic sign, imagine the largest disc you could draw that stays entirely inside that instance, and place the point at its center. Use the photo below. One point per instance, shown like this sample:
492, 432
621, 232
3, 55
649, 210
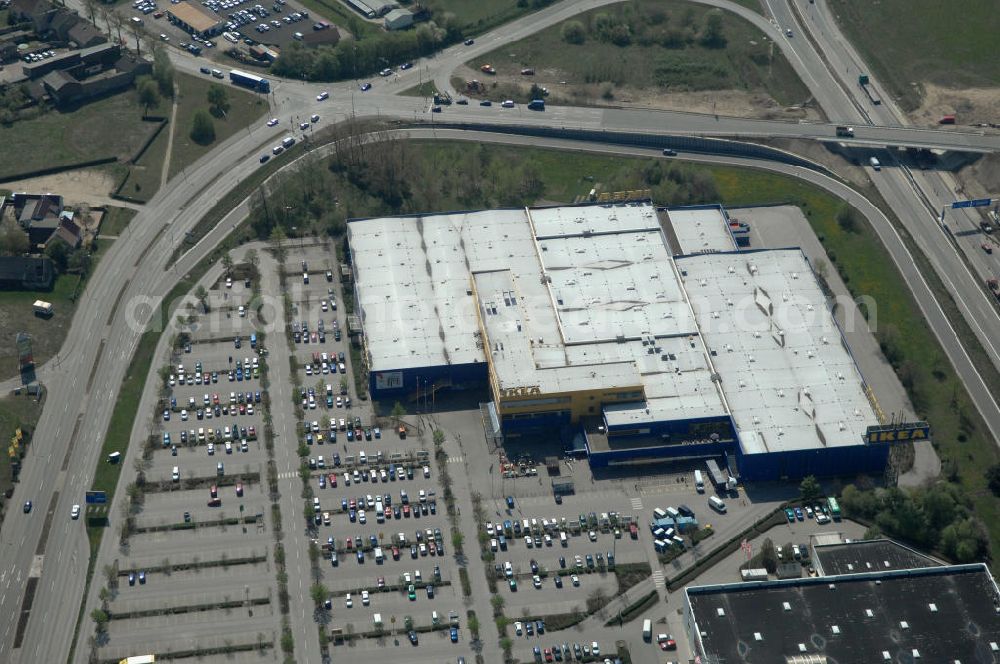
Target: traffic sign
96, 498
979, 202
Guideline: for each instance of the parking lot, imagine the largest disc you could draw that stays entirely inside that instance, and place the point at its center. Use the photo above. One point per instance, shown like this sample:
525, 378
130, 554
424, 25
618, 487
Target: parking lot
376, 507
197, 566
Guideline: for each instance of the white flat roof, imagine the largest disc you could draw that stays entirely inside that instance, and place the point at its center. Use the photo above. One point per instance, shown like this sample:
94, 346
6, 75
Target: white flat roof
787, 375
701, 231
574, 298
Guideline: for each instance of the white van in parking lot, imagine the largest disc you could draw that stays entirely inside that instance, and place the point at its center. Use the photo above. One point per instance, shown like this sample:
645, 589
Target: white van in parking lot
716, 504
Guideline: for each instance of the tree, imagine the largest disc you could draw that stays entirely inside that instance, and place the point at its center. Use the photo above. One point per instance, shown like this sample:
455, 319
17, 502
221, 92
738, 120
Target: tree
713, 34
397, 412
497, 601
227, 262
202, 128
253, 257
319, 593
202, 295
456, 540
79, 260
993, 478
115, 22
768, 556
810, 490
163, 72
91, 7
137, 33
13, 240
149, 96
59, 253
573, 32
100, 618
218, 99
847, 218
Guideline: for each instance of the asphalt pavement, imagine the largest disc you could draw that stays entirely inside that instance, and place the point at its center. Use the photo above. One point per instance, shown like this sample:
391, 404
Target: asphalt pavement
84, 378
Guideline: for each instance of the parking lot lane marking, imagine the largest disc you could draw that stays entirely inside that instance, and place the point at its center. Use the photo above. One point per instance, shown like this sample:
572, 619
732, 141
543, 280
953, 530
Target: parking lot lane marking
637, 504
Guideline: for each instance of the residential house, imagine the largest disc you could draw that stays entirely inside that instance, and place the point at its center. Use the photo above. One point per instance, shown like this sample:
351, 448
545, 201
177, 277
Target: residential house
68, 231
398, 19
38, 214
26, 273
326, 37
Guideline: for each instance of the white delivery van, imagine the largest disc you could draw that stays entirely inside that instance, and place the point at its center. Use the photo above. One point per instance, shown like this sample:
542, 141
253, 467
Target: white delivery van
699, 482
647, 630
875, 163
563, 539
659, 513
672, 512
716, 504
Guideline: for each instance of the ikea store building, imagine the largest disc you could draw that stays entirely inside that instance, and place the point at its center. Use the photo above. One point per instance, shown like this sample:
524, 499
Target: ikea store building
646, 332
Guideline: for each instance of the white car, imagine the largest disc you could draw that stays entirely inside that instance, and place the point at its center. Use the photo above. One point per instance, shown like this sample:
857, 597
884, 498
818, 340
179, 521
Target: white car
75, 512
596, 649
322, 96
365, 598
518, 628
348, 602
536, 581
272, 122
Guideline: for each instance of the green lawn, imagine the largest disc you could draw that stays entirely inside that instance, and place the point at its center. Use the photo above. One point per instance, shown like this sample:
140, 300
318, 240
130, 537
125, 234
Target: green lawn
47, 335
337, 13
664, 53
245, 108
950, 44
425, 89
116, 220
479, 16
144, 177
109, 127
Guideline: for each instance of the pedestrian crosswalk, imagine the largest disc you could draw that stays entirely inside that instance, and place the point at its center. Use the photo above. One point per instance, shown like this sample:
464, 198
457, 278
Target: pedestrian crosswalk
288, 474
456, 459
658, 579
637, 503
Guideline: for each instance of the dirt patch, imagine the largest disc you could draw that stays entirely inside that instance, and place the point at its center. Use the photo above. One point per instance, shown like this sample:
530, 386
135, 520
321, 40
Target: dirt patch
733, 103
88, 185
981, 179
971, 106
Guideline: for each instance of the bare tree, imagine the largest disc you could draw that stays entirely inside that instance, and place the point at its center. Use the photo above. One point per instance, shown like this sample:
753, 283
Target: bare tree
114, 21
137, 33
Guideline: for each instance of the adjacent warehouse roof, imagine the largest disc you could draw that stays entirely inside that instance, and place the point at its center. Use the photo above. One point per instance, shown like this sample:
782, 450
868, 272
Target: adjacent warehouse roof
868, 556
787, 374
701, 230
942, 614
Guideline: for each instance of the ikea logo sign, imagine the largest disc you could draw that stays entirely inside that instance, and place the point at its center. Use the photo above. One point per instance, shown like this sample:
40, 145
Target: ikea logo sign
900, 433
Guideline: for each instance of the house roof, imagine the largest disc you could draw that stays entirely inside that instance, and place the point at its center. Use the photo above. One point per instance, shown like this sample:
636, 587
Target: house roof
30, 7
317, 37
84, 33
198, 18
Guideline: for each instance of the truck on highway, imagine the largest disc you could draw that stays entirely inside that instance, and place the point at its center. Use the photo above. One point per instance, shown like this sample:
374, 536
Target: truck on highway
875, 164
536, 105
139, 659
845, 131
42, 308
994, 287
866, 85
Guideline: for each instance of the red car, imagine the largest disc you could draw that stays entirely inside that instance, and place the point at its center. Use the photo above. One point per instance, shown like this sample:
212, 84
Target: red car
548, 655
252, 432
239, 489
381, 582
666, 642
214, 502
987, 247
214, 491
406, 511
353, 504
395, 553
633, 531
333, 480
350, 543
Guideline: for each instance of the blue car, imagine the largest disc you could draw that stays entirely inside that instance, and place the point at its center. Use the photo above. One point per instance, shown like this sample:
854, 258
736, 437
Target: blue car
454, 635
486, 102
510, 502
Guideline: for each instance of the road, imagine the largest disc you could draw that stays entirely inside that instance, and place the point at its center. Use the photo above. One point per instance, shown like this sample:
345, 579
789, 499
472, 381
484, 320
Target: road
83, 382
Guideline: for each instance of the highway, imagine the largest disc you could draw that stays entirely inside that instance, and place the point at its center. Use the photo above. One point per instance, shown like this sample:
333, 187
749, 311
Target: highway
83, 382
